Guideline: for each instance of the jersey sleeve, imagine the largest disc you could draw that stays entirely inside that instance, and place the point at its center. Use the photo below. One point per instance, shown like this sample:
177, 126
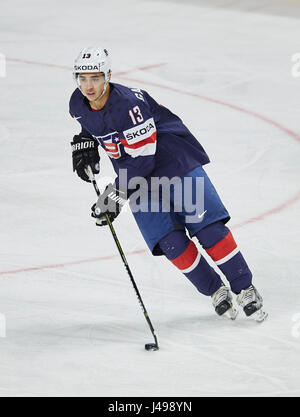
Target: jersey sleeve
84, 133
138, 135
73, 111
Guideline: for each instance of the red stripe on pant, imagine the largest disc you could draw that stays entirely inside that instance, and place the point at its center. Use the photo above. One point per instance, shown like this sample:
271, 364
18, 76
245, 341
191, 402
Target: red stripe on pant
187, 258
222, 248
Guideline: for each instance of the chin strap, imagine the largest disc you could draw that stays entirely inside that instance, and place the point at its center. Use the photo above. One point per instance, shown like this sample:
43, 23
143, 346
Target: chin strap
104, 89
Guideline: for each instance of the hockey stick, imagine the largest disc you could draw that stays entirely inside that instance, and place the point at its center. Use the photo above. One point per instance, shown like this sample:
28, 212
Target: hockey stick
148, 346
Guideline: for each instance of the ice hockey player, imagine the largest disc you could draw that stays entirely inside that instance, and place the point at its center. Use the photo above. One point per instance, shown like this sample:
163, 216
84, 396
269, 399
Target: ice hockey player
146, 140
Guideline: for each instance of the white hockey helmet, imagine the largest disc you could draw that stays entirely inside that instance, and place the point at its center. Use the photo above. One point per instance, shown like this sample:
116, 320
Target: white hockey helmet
93, 59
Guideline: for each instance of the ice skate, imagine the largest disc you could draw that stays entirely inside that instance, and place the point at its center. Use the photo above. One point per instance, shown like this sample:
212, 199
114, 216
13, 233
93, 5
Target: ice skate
252, 303
222, 302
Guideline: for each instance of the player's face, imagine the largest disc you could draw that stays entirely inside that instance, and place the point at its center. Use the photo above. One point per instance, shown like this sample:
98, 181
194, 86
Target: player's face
91, 84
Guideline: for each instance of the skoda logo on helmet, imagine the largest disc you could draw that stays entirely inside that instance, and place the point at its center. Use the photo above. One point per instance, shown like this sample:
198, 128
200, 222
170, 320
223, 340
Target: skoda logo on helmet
86, 67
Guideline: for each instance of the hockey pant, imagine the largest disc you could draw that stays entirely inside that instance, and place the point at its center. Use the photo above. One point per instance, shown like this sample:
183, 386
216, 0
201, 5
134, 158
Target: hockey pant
219, 244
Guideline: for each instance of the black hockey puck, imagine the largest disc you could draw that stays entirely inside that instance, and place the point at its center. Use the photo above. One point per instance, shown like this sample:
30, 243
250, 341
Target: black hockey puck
151, 346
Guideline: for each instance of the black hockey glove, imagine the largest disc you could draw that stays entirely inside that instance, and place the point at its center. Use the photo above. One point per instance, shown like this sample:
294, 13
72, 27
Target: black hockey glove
85, 152
110, 202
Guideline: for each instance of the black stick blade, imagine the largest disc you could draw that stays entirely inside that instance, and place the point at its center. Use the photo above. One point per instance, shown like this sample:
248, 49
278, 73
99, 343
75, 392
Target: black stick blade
151, 346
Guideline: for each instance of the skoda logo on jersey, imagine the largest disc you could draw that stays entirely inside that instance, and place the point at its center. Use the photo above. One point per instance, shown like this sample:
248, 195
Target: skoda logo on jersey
136, 133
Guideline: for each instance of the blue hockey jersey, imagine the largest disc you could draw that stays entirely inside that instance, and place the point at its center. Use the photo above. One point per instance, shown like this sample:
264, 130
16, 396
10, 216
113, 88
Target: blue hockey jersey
138, 134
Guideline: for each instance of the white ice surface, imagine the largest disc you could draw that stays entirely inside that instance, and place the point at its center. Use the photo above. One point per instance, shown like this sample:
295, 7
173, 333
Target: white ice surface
77, 329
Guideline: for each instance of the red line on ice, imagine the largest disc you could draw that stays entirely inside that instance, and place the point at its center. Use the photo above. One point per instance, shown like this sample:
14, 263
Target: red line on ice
274, 210
117, 74
82, 261
42, 64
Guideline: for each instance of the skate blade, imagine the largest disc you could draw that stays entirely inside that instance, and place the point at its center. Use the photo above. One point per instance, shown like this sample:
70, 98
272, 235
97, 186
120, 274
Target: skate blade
231, 313
259, 316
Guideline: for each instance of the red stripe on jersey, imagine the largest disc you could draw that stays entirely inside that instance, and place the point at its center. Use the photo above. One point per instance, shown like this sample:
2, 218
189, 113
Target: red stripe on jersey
222, 248
112, 149
114, 154
187, 258
140, 144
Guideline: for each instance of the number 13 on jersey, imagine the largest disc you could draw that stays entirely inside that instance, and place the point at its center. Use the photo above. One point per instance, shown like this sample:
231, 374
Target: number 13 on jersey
136, 115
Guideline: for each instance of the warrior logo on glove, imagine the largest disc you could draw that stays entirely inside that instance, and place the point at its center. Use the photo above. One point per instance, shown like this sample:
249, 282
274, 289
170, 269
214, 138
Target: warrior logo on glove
89, 144
85, 153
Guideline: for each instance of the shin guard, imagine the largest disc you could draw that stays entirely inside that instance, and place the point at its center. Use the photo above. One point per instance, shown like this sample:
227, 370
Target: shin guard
220, 245
183, 253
